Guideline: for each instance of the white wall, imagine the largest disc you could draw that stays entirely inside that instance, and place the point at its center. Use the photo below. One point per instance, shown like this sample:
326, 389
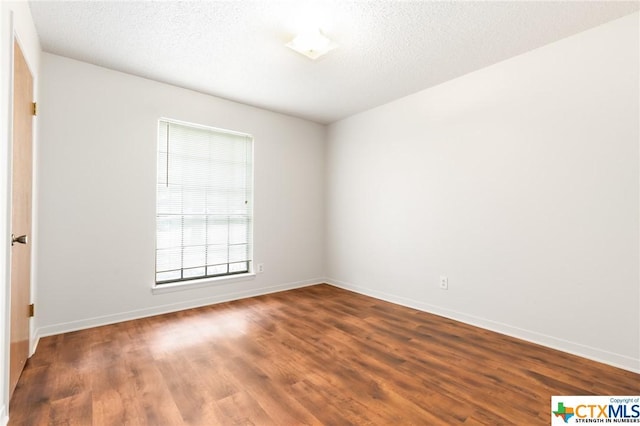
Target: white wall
97, 195
520, 182
15, 19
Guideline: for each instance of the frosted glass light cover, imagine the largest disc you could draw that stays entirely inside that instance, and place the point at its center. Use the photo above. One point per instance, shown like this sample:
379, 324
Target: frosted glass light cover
312, 44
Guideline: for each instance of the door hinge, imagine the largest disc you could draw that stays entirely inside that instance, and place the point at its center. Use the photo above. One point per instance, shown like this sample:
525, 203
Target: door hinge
34, 108
32, 310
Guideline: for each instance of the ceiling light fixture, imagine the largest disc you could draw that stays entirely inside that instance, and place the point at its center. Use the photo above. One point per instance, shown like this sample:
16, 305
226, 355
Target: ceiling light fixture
312, 44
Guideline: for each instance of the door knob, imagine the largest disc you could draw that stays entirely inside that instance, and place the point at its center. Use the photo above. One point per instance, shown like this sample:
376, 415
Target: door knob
22, 239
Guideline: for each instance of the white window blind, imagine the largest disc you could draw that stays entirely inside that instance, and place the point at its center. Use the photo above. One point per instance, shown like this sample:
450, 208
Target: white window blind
204, 202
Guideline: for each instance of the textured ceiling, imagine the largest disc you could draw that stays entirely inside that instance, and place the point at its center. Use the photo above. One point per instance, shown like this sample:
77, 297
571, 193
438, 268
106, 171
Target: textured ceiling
235, 49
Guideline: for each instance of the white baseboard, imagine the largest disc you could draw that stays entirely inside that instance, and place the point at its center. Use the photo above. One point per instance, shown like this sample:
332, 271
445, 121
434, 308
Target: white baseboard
4, 419
595, 354
33, 343
66, 327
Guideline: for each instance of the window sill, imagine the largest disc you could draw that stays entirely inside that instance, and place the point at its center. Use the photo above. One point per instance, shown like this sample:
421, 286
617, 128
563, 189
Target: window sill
204, 282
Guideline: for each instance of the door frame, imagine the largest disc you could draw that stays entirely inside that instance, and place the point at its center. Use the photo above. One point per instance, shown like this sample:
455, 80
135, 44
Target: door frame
7, 194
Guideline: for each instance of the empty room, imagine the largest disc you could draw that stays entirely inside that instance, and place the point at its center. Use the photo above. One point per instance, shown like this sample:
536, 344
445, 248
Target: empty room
279, 212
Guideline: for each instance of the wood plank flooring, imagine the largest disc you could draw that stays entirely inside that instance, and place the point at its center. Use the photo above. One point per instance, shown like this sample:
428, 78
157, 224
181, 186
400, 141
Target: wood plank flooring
317, 355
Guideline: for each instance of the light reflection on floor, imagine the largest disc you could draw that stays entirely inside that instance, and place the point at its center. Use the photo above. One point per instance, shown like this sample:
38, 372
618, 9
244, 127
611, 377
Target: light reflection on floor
183, 333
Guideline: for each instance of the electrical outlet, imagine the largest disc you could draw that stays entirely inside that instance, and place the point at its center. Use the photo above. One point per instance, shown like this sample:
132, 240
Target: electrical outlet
444, 283
260, 268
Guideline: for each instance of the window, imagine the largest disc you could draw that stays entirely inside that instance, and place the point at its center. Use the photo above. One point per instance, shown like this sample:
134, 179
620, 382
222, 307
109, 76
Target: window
203, 202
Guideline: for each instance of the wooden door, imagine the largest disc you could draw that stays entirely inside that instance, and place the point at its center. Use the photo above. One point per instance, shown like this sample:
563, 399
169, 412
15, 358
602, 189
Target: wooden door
20, 216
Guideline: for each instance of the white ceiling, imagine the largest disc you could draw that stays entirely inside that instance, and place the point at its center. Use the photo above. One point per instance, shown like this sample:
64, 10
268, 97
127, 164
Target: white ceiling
235, 49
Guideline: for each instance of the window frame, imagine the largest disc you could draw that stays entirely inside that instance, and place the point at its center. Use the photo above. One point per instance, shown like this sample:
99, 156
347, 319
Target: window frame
206, 280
